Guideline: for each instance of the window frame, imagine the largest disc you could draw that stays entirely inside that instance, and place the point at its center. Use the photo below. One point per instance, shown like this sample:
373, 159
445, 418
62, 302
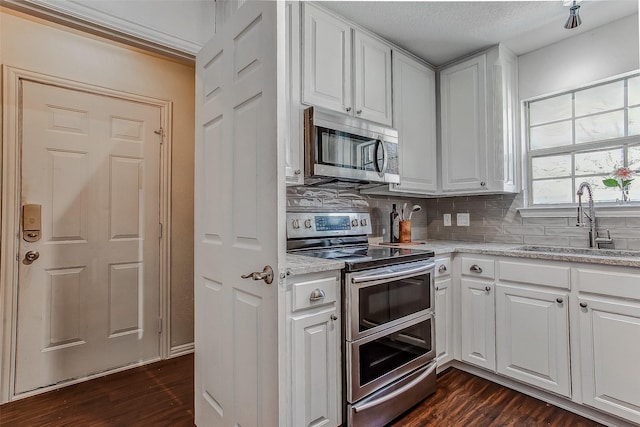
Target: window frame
574, 148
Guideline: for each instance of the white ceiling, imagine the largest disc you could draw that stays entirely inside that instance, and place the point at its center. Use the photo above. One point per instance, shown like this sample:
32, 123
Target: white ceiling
441, 31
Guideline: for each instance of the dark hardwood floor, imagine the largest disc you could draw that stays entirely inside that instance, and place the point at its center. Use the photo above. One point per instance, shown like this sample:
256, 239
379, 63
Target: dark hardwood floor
161, 394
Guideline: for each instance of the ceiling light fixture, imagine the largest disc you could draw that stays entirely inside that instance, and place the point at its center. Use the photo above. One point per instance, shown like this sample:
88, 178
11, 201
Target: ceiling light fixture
574, 19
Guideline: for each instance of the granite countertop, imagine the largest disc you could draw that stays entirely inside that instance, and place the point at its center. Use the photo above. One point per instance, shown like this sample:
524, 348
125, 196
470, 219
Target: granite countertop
300, 264
591, 256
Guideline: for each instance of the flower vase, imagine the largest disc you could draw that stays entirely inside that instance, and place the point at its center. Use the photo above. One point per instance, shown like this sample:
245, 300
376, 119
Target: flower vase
624, 190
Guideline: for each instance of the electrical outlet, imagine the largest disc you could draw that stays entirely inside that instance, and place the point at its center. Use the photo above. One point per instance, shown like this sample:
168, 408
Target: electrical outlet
447, 220
463, 220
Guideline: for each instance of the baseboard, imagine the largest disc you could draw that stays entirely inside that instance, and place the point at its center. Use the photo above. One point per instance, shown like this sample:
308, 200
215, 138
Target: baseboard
181, 350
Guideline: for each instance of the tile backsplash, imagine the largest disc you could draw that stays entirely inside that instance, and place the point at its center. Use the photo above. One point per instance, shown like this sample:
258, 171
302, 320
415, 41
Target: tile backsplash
493, 218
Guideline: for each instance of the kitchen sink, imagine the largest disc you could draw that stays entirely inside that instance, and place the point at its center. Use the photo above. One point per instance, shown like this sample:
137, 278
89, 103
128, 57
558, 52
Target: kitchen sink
580, 251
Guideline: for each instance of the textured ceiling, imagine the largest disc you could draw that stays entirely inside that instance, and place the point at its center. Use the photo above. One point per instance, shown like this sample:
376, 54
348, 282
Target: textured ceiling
441, 31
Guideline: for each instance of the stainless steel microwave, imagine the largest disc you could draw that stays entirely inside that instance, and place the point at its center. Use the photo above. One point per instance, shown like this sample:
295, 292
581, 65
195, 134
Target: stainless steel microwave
343, 148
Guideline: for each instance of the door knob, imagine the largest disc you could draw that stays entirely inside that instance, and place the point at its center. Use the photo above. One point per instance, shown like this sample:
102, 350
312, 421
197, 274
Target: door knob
30, 256
266, 274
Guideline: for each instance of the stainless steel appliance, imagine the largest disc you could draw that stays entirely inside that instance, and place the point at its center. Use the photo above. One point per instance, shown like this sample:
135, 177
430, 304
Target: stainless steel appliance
339, 147
388, 319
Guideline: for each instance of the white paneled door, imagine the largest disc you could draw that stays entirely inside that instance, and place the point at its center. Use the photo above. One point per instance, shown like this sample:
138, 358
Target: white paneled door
239, 217
90, 301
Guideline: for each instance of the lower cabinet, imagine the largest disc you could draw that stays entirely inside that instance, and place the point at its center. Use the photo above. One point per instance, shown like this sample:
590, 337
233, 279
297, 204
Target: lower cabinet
478, 339
315, 350
444, 311
610, 355
532, 332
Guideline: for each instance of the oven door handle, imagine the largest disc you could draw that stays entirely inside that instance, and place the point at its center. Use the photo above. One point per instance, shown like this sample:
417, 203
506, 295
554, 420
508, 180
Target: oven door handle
395, 275
393, 394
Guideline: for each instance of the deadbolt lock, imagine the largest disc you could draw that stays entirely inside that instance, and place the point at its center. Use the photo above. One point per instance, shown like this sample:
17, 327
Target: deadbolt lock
31, 222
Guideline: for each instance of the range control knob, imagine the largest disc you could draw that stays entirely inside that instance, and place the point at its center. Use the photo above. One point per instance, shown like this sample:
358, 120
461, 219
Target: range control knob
363, 222
307, 223
295, 223
354, 222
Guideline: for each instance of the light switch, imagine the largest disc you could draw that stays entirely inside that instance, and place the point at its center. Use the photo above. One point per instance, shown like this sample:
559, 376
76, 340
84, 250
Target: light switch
447, 220
463, 220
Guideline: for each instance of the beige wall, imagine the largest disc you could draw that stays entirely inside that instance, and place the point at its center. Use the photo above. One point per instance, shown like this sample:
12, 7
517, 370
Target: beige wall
36, 45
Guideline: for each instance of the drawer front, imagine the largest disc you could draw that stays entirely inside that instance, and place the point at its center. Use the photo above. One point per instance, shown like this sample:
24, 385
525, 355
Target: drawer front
615, 282
477, 267
314, 293
443, 267
535, 273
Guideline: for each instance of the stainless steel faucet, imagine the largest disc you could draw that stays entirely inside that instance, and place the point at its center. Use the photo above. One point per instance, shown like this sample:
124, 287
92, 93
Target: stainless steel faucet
594, 240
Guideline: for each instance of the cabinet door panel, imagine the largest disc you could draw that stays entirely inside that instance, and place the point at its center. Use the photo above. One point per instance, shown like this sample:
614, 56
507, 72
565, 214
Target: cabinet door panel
464, 135
444, 320
414, 115
315, 376
327, 61
372, 79
532, 331
478, 323
610, 351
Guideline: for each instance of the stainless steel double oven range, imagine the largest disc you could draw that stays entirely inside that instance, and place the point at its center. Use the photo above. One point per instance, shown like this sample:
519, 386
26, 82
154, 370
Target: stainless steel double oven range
387, 305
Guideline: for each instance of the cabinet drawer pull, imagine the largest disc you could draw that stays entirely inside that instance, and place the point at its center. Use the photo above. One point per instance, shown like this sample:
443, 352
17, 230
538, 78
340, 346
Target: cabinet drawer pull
297, 172
348, 109
316, 295
583, 304
359, 112
487, 288
559, 300
334, 317
437, 288
442, 268
475, 268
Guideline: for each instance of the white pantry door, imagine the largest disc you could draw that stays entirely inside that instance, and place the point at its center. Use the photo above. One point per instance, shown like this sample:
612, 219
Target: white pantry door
239, 213
90, 302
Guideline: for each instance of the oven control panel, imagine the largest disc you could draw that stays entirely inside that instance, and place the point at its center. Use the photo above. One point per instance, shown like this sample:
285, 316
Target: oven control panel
315, 224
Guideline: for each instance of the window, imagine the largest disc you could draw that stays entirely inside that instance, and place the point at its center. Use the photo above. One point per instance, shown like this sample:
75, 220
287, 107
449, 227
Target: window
583, 135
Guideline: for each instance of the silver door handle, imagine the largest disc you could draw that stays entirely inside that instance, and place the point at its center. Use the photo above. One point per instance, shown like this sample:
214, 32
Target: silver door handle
316, 295
266, 274
31, 256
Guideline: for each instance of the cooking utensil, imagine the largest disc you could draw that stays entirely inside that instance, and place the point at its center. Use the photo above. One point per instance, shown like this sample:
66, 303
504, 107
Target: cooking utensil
415, 208
404, 209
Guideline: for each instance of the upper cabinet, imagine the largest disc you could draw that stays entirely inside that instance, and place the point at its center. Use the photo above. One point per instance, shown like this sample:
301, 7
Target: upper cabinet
344, 70
414, 115
478, 104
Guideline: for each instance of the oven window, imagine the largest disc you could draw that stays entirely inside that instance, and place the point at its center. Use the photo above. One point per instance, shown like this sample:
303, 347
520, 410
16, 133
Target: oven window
389, 301
390, 352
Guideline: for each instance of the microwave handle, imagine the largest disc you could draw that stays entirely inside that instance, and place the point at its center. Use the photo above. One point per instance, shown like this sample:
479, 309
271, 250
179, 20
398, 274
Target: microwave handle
380, 143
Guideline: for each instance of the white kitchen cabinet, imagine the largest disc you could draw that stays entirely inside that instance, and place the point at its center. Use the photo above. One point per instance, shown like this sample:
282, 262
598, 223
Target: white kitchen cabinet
331, 80
609, 331
477, 328
414, 115
315, 352
444, 311
294, 147
479, 107
372, 79
532, 335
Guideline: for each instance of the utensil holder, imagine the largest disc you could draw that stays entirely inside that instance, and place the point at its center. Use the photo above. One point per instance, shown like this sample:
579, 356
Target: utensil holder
405, 231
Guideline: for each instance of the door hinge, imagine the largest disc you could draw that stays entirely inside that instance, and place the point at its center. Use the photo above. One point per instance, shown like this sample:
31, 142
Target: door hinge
160, 231
159, 325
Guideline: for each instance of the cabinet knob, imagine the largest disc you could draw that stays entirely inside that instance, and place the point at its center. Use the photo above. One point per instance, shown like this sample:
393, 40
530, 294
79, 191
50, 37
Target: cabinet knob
348, 109
437, 288
359, 112
442, 268
482, 184
487, 288
583, 304
297, 172
333, 317
559, 300
475, 268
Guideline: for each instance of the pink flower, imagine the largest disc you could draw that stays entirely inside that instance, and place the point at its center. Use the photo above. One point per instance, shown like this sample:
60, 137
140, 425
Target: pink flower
624, 173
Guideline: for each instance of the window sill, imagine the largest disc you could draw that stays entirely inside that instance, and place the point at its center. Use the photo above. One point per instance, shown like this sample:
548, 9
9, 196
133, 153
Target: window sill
603, 210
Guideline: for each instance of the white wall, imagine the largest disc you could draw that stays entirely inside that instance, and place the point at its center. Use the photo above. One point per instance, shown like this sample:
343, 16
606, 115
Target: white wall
597, 54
